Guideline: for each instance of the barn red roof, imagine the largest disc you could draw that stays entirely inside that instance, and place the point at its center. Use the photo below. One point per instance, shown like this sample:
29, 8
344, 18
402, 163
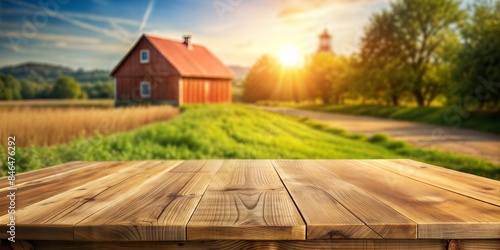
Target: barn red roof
195, 62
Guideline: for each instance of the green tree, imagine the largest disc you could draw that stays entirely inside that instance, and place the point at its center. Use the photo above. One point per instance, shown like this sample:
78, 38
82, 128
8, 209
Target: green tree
44, 91
270, 80
28, 89
408, 38
10, 88
384, 75
261, 80
328, 76
66, 88
423, 27
100, 90
477, 69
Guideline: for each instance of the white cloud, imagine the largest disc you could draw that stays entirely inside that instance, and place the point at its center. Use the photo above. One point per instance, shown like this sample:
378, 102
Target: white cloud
117, 34
102, 18
146, 15
32, 9
53, 37
252, 29
69, 42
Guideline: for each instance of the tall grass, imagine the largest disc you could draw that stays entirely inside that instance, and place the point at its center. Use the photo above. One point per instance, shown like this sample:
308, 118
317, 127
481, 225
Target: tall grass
234, 131
50, 126
206, 132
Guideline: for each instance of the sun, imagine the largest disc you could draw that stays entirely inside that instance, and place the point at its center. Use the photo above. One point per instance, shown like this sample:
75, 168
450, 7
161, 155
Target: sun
290, 56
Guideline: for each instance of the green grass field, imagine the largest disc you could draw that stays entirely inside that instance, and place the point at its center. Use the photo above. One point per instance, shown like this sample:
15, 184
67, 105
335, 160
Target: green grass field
235, 131
446, 116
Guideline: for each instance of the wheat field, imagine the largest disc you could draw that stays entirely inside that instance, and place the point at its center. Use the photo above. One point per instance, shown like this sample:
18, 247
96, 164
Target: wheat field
33, 126
59, 103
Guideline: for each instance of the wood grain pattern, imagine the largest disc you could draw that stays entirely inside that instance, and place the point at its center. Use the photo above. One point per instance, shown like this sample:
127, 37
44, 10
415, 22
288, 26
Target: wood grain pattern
31, 191
157, 210
334, 208
232, 244
54, 218
311, 244
461, 183
474, 244
43, 172
249, 204
440, 214
246, 201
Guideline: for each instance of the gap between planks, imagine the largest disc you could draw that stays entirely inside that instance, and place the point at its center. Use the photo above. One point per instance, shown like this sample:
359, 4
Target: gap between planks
300, 212
197, 204
296, 206
246, 200
306, 184
75, 202
429, 206
176, 199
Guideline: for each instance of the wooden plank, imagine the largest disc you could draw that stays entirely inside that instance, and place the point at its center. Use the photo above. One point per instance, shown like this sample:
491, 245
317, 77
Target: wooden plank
5, 244
43, 172
54, 218
32, 191
474, 244
473, 186
334, 208
246, 201
157, 210
440, 214
233, 244
16, 245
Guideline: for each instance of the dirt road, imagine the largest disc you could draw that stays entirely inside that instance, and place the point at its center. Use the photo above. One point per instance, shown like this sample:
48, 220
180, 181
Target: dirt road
461, 141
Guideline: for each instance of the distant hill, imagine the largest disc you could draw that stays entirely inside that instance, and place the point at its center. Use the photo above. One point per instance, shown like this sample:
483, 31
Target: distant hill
239, 71
47, 73
40, 73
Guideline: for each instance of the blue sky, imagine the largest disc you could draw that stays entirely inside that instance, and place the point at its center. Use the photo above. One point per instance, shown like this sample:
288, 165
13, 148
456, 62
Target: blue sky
97, 33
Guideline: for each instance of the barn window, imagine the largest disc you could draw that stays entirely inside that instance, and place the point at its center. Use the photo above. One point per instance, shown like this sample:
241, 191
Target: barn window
144, 56
145, 89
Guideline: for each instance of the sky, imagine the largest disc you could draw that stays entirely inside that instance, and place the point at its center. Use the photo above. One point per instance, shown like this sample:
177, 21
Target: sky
96, 34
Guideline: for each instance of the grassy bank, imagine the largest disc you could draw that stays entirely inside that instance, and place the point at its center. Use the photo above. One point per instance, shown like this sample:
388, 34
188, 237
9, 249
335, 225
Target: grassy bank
446, 116
461, 163
231, 131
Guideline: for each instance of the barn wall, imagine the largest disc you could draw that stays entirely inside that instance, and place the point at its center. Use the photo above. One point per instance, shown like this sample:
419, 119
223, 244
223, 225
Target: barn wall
203, 90
159, 72
166, 83
157, 66
164, 89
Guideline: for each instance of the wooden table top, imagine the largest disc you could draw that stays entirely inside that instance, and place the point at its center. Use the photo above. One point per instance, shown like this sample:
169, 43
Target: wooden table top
252, 200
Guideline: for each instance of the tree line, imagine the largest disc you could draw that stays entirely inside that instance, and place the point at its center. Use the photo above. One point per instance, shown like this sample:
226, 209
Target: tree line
416, 51
40, 73
66, 87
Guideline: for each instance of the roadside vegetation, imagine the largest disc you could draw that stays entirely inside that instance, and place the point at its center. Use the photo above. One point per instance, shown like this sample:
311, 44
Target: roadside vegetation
449, 116
36, 126
445, 116
239, 132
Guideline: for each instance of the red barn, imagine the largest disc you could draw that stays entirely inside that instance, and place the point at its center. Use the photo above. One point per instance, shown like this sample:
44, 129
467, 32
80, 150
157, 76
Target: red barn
160, 70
